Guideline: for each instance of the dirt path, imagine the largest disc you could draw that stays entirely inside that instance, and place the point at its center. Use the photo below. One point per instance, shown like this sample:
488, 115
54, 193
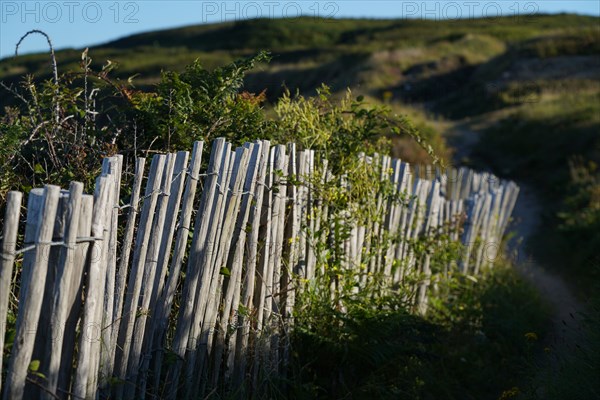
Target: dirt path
566, 317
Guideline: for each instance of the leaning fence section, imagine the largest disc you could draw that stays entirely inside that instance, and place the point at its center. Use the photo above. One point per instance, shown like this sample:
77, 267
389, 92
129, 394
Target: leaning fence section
191, 286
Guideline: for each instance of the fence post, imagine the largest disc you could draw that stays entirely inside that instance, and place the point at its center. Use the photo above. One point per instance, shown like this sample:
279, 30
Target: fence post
392, 219
43, 327
311, 228
62, 287
125, 253
126, 324
431, 224
7, 260
278, 219
405, 185
30, 300
89, 351
260, 295
111, 167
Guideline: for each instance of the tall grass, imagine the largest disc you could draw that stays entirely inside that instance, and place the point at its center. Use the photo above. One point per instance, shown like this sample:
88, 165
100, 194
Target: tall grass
477, 343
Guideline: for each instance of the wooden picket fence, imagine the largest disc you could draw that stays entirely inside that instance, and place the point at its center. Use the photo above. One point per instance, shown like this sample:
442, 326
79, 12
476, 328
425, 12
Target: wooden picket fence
163, 304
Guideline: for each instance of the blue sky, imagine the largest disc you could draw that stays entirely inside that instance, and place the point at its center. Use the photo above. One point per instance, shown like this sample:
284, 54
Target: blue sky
72, 23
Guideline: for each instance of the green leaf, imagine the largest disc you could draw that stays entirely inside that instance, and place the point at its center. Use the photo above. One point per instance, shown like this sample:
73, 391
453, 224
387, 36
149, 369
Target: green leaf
243, 310
10, 339
38, 169
225, 271
34, 365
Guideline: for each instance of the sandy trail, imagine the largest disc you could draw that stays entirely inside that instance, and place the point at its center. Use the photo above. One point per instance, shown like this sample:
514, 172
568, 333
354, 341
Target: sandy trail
566, 317
566, 309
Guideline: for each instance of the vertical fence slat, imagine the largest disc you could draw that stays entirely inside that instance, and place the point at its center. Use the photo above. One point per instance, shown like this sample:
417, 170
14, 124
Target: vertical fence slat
431, 224
277, 237
173, 206
85, 379
125, 253
238, 310
44, 325
195, 261
62, 288
168, 293
238, 169
7, 260
412, 210
73, 303
209, 288
472, 207
221, 298
260, 295
30, 302
392, 218
405, 184
481, 229
291, 235
148, 276
98, 289
172, 210
234, 262
322, 216
136, 274
243, 333
112, 167
311, 205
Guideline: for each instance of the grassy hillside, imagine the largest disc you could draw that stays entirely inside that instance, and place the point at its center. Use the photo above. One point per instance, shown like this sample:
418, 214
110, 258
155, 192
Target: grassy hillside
452, 68
308, 44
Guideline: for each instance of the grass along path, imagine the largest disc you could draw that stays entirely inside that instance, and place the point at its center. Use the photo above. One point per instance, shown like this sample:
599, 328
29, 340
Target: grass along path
567, 312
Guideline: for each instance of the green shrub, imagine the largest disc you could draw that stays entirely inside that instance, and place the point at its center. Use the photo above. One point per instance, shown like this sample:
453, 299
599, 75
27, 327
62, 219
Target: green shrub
580, 222
199, 104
